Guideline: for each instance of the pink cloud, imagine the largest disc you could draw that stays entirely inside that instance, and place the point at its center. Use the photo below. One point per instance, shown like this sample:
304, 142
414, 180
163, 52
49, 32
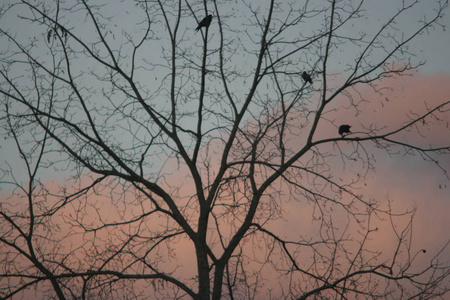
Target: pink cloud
407, 181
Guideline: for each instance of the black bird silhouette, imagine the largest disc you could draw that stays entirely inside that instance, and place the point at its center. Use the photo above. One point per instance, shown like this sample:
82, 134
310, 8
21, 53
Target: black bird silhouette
306, 77
204, 23
344, 129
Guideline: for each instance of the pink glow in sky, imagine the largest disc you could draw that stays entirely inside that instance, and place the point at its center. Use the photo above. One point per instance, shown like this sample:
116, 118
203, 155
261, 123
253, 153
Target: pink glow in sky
401, 181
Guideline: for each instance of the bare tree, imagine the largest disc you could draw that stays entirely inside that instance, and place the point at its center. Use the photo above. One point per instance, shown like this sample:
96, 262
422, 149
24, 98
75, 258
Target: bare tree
155, 161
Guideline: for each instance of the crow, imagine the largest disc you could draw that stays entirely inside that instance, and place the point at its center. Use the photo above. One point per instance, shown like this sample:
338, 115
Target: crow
306, 77
344, 129
204, 23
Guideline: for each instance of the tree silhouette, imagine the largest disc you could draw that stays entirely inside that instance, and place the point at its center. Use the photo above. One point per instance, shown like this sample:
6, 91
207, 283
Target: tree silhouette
151, 162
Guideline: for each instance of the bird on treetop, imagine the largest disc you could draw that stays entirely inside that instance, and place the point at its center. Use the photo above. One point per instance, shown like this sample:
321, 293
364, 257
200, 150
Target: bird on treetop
344, 129
204, 23
306, 77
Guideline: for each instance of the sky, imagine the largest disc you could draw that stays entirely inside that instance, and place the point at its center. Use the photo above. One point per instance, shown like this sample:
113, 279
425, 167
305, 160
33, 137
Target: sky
430, 46
407, 181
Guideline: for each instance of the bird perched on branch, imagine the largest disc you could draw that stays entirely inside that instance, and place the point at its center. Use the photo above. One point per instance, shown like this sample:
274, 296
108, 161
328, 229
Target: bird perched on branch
306, 77
204, 23
344, 129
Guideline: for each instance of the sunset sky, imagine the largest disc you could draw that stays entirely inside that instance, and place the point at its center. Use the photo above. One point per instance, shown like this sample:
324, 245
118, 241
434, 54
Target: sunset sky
404, 181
